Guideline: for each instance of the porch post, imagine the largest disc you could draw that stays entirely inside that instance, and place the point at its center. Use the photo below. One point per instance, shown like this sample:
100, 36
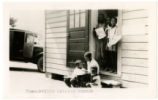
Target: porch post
93, 22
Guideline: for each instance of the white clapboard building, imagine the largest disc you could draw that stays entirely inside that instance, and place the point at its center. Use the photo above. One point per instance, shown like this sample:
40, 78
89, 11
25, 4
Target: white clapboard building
69, 33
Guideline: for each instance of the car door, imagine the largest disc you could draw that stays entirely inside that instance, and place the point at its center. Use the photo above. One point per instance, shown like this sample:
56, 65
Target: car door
28, 45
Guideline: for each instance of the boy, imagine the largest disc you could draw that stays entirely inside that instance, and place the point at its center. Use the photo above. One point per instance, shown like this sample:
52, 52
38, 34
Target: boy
79, 70
91, 62
100, 39
113, 38
113, 32
95, 79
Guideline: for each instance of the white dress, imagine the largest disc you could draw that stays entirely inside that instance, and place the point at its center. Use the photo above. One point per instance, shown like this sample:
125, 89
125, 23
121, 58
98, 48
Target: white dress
92, 63
114, 37
77, 72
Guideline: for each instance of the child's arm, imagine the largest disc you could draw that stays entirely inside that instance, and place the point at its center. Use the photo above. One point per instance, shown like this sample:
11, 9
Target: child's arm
73, 75
94, 80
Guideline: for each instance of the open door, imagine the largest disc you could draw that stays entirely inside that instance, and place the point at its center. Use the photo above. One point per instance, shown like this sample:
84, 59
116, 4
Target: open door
77, 41
28, 45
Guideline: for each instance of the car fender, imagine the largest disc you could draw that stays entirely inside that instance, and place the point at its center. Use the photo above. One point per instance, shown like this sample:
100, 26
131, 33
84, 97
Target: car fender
37, 56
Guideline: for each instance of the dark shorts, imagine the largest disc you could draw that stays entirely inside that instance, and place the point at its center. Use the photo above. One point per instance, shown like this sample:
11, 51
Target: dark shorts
70, 82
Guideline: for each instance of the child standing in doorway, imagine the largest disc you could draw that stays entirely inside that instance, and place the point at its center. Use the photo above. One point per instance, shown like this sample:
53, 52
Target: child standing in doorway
113, 39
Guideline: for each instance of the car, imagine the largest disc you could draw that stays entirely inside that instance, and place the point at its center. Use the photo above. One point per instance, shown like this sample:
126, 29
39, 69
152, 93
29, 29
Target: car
23, 47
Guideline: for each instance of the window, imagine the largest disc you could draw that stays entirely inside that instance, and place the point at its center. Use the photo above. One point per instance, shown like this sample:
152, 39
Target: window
77, 18
30, 38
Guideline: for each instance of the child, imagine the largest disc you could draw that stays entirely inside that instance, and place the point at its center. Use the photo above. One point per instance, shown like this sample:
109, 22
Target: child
95, 78
113, 34
79, 70
100, 39
91, 62
113, 39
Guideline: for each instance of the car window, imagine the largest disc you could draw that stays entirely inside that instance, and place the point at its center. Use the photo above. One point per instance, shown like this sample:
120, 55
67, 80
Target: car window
29, 38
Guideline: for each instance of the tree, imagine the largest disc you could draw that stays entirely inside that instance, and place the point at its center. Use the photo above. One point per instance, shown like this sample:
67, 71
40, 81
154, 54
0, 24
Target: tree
12, 22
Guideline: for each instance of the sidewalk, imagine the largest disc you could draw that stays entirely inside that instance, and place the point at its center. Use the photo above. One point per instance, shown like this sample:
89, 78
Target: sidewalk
20, 64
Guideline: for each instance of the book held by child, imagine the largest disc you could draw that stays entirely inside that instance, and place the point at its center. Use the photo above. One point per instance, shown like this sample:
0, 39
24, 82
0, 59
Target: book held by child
100, 32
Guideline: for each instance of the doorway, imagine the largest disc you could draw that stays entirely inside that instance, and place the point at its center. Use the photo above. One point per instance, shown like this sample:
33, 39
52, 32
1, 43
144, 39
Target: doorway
106, 57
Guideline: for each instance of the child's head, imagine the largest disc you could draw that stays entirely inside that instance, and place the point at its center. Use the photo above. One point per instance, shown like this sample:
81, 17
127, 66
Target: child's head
88, 56
113, 21
78, 63
94, 70
101, 19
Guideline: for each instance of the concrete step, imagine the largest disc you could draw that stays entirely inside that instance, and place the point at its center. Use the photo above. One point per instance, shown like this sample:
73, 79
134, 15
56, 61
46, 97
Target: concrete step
111, 84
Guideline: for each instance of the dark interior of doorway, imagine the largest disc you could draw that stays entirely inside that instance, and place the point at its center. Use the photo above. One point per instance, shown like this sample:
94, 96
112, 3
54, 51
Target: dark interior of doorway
109, 62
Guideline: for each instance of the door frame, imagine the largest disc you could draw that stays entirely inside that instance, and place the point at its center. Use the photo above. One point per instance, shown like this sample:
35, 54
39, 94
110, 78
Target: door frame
93, 23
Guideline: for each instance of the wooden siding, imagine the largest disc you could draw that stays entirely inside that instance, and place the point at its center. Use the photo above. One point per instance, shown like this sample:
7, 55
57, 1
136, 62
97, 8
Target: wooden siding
56, 39
134, 48
134, 45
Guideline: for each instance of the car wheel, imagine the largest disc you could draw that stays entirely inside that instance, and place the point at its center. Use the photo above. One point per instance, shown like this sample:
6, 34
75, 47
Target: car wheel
40, 64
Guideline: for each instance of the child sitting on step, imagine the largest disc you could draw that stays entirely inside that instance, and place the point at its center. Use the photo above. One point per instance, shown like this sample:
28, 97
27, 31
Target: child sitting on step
79, 70
95, 78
